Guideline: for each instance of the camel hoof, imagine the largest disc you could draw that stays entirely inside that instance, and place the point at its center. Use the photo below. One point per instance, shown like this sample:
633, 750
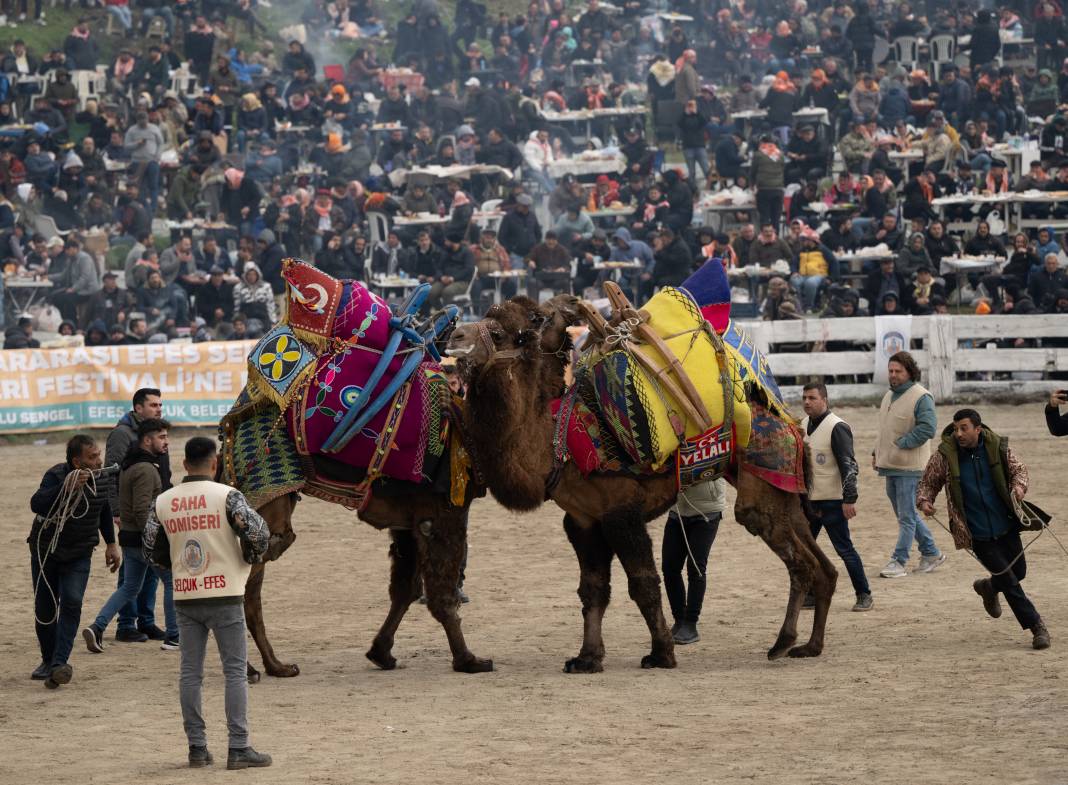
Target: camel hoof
781, 647
807, 650
253, 675
583, 665
473, 665
659, 661
383, 659
283, 671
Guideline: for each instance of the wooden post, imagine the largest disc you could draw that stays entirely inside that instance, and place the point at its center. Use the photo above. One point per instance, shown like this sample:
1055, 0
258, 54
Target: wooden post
941, 347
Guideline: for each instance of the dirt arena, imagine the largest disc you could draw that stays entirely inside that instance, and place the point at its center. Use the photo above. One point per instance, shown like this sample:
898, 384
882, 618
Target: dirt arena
924, 689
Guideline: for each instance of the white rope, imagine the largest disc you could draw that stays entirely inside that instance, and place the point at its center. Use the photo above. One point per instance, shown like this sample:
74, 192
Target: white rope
71, 503
682, 525
1018, 556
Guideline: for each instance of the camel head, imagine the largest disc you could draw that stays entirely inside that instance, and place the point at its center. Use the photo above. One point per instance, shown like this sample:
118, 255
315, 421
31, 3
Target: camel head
518, 330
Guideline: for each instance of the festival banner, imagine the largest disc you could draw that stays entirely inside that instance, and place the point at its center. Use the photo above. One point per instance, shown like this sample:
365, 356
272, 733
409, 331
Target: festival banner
893, 334
91, 386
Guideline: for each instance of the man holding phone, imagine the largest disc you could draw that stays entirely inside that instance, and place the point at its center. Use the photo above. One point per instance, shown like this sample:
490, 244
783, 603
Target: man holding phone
1055, 421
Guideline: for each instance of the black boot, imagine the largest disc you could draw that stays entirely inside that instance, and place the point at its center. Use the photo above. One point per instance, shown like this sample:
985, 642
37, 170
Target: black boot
686, 633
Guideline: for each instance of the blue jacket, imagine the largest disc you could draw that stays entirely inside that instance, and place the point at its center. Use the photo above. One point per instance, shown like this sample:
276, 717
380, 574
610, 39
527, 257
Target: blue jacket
635, 249
245, 72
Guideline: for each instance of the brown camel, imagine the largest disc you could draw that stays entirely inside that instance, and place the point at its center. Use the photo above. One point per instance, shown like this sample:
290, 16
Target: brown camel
428, 542
514, 361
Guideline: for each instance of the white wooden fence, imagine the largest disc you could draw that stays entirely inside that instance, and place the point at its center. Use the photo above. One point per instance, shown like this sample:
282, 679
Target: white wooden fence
947, 347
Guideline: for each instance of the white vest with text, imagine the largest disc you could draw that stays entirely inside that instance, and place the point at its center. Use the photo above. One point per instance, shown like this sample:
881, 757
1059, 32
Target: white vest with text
897, 418
206, 560
826, 481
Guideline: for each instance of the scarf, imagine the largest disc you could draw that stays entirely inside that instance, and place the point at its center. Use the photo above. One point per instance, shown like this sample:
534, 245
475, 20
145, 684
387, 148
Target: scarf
84, 36
234, 177
997, 186
686, 57
323, 205
771, 150
819, 78
782, 83
927, 190
649, 211
662, 72
124, 67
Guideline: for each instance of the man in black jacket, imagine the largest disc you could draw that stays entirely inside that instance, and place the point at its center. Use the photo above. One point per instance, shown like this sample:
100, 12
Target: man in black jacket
674, 263
807, 155
61, 553
1055, 421
457, 268
519, 230
692, 140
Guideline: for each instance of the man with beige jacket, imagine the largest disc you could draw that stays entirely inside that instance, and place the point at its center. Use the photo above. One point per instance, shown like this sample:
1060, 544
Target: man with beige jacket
907, 423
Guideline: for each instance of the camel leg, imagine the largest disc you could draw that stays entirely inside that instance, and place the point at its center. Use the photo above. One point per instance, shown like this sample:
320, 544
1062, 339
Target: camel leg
628, 538
254, 620
403, 589
278, 514
441, 550
595, 591
824, 580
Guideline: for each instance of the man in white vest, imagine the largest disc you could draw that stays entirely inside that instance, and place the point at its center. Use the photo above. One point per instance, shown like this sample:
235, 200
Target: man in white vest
833, 484
907, 423
208, 535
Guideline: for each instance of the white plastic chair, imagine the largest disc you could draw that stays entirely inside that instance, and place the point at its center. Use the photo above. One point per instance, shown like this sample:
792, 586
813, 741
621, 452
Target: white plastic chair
907, 51
88, 84
45, 226
379, 224
943, 50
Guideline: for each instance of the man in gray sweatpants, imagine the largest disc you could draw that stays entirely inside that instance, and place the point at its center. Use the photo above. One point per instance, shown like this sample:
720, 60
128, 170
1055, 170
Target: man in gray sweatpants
208, 536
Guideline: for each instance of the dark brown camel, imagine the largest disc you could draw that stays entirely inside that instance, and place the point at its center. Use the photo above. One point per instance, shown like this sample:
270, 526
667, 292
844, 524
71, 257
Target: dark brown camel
428, 539
514, 361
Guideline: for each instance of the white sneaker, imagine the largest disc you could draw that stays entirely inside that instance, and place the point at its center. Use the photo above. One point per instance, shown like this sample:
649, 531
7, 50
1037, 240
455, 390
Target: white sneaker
894, 569
931, 563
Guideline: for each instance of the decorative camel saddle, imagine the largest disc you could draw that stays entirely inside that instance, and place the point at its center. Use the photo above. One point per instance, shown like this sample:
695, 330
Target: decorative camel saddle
342, 378
673, 382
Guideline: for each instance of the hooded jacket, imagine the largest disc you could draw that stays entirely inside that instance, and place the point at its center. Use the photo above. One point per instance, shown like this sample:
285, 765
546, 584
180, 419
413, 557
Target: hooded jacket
635, 249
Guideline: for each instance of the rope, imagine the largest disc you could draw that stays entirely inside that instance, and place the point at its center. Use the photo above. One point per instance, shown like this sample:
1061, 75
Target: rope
1018, 556
71, 503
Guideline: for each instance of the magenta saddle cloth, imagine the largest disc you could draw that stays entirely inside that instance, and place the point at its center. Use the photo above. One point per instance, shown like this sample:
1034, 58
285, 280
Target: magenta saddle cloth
417, 414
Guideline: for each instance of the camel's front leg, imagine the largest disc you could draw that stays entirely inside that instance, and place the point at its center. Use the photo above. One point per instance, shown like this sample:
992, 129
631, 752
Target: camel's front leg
278, 514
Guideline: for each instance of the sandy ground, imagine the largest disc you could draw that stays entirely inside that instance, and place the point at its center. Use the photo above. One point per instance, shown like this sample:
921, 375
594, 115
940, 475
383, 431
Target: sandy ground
924, 689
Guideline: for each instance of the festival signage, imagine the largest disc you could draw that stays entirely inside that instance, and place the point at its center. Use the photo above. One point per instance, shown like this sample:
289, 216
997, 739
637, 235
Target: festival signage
91, 386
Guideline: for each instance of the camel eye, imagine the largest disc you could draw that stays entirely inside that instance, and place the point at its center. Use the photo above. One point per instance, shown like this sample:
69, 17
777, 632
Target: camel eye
497, 334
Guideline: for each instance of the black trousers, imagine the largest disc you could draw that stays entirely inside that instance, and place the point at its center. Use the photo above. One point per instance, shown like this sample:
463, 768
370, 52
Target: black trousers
996, 556
769, 205
700, 533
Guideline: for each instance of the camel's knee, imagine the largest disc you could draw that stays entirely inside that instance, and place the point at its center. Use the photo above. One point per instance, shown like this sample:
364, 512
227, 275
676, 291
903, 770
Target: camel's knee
279, 544
595, 591
644, 589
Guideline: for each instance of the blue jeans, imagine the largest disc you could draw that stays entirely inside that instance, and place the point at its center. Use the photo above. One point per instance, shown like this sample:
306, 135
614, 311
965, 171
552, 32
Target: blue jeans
123, 15
135, 570
168, 18
902, 494
834, 521
67, 580
695, 156
149, 186
142, 612
541, 178
809, 286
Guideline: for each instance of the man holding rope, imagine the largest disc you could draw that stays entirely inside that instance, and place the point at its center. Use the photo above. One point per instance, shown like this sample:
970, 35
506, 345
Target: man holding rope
72, 512
984, 482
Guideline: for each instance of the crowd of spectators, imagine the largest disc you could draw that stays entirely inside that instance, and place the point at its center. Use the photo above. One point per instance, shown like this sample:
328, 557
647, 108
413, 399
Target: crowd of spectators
212, 147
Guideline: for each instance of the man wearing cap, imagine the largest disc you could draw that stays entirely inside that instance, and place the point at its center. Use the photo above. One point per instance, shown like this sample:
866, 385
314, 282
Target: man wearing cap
111, 303
806, 156
519, 230
954, 97
457, 267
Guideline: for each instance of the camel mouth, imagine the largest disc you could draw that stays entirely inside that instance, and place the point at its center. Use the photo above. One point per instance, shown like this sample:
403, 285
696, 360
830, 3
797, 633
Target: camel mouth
461, 351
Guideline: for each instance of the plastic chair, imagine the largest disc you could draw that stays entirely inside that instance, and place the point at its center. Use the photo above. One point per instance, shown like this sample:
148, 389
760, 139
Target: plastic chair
379, 225
943, 50
334, 73
88, 84
907, 51
45, 226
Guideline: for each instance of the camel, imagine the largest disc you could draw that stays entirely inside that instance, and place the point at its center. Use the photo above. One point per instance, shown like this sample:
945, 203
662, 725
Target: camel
428, 539
514, 362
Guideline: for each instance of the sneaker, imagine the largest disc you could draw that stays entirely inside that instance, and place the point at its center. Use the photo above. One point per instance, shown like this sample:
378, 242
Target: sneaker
985, 589
247, 758
894, 569
41, 672
931, 563
199, 757
130, 636
686, 634
809, 603
61, 674
864, 603
94, 638
169, 644
153, 632
1041, 636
